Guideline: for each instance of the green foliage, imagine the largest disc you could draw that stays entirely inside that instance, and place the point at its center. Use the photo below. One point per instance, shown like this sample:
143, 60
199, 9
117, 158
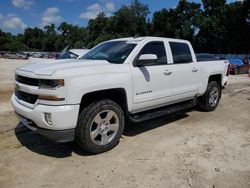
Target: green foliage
98, 30
181, 22
71, 34
130, 20
213, 26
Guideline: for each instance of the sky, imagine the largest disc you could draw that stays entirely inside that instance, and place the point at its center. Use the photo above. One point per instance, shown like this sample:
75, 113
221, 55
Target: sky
16, 15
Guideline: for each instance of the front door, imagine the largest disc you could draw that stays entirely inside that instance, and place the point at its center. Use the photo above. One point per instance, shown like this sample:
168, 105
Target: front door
152, 83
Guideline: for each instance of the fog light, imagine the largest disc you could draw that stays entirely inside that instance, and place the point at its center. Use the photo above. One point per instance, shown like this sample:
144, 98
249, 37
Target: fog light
48, 118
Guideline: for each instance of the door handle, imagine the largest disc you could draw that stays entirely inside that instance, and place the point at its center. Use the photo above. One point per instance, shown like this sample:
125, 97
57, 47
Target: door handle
194, 69
167, 72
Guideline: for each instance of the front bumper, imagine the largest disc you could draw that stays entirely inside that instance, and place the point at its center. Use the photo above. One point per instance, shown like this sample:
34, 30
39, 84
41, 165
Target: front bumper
63, 118
52, 135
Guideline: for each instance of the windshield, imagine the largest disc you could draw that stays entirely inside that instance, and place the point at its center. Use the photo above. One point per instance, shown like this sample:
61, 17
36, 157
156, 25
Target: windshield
113, 52
68, 55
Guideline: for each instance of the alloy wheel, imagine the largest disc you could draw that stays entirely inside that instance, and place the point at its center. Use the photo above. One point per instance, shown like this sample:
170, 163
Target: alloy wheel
104, 127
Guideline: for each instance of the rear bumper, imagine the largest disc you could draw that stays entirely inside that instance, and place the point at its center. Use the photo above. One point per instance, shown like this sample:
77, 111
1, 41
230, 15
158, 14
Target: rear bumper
52, 135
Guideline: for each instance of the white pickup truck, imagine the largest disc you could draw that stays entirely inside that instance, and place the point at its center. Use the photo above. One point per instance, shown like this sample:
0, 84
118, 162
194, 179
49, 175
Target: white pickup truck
91, 99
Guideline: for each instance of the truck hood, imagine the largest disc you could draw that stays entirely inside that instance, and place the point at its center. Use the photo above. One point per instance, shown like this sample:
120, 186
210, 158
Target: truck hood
49, 67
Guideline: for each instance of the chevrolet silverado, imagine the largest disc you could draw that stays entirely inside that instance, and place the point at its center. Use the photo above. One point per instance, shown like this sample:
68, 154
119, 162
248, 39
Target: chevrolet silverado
91, 99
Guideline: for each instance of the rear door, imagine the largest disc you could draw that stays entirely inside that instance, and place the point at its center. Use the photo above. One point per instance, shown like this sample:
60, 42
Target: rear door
185, 70
152, 83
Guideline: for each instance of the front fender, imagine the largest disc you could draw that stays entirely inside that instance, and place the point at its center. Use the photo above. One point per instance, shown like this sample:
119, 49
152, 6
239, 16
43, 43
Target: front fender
79, 86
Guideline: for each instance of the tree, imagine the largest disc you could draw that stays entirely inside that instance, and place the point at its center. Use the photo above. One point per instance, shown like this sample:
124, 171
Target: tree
33, 38
237, 28
188, 20
5, 39
9, 42
50, 29
180, 22
164, 23
140, 12
217, 27
123, 22
72, 34
50, 38
130, 20
211, 36
98, 30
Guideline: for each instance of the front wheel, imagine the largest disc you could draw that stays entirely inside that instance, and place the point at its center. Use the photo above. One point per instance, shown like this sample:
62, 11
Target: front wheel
100, 126
210, 100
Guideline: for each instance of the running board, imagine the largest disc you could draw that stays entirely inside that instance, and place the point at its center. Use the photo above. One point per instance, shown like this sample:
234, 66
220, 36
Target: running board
159, 112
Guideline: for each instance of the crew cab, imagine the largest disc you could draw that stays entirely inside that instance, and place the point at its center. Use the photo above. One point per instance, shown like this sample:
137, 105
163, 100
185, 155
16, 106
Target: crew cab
91, 99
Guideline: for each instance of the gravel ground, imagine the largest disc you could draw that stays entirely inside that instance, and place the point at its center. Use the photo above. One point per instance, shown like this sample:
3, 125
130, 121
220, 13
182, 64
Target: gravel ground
192, 149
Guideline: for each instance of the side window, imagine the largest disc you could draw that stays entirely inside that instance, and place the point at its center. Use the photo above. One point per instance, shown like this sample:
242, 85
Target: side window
156, 48
181, 52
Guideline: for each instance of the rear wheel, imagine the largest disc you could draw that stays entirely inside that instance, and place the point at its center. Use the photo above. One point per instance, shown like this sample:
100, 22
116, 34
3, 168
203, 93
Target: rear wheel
100, 126
210, 100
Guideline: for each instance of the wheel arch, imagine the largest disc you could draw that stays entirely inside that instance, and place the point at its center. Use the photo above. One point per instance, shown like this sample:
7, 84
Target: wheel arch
217, 78
118, 95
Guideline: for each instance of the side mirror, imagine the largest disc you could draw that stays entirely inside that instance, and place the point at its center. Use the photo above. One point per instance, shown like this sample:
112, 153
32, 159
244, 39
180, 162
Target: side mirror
146, 59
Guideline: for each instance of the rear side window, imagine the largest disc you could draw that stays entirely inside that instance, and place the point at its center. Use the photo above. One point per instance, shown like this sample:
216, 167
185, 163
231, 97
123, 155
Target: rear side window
181, 52
156, 48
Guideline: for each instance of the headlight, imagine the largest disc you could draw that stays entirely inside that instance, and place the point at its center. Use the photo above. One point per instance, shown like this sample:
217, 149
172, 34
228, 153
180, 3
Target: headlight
50, 84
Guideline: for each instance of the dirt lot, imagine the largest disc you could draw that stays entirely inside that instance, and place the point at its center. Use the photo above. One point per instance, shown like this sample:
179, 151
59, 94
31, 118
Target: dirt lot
193, 149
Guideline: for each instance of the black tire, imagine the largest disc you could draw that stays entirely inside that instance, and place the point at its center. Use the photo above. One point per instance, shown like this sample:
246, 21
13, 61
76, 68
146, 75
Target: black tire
204, 101
85, 124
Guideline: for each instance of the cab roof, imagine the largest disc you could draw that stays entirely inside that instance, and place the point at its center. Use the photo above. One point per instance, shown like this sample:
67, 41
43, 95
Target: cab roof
139, 39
